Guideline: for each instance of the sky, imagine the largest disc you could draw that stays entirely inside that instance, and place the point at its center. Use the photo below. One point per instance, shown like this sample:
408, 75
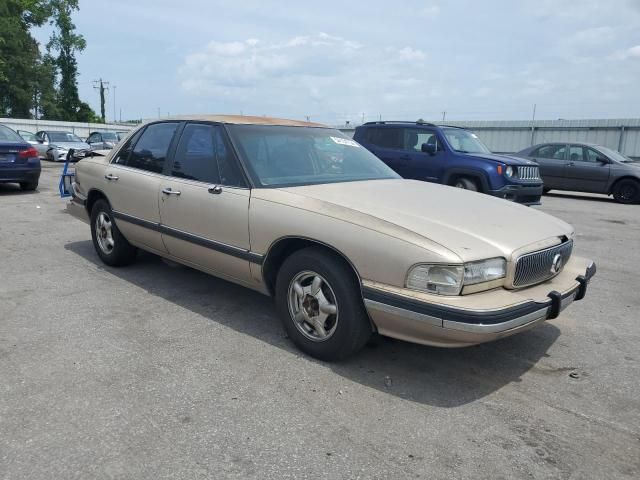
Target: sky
338, 61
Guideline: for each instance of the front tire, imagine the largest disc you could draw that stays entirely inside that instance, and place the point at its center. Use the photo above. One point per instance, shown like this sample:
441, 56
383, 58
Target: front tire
466, 184
320, 304
111, 246
627, 191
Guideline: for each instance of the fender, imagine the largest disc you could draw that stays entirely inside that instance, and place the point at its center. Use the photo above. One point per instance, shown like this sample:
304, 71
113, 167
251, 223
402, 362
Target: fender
470, 172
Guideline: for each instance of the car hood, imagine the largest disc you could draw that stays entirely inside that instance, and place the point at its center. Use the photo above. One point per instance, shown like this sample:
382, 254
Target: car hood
472, 225
506, 159
68, 145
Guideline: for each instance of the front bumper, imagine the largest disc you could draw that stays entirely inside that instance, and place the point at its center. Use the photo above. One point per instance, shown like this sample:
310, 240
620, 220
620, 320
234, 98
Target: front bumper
520, 193
77, 206
476, 318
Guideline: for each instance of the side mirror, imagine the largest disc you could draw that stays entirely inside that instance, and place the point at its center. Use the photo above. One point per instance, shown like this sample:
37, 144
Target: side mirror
429, 148
603, 160
40, 140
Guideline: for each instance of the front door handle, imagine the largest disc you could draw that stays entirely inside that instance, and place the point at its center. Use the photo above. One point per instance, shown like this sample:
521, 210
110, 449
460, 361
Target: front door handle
168, 191
215, 189
110, 176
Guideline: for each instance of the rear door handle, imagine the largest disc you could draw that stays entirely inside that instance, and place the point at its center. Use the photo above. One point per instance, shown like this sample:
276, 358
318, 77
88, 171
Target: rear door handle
215, 189
168, 191
110, 176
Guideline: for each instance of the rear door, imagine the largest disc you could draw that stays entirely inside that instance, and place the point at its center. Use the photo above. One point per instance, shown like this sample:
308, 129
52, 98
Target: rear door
552, 159
585, 172
388, 144
133, 180
204, 204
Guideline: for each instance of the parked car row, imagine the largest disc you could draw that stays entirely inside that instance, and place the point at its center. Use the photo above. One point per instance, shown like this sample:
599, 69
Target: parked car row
54, 145
347, 247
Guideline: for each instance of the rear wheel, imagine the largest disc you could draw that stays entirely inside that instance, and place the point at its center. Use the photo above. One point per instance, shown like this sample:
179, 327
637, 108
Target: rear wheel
111, 246
320, 305
29, 186
627, 191
466, 184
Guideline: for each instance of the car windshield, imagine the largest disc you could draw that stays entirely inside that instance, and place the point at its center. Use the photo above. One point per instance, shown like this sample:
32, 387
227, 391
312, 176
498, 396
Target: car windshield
8, 135
63, 137
464, 141
278, 156
110, 137
615, 155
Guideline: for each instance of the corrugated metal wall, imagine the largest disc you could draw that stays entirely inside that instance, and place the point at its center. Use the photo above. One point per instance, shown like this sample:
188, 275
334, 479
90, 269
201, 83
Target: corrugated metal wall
81, 129
512, 136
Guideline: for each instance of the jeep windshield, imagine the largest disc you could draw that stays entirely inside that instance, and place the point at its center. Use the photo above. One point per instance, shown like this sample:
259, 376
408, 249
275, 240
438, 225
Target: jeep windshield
464, 141
278, 156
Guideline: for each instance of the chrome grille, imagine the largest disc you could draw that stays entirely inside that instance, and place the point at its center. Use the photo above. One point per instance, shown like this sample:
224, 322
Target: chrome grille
528, 173
537, 266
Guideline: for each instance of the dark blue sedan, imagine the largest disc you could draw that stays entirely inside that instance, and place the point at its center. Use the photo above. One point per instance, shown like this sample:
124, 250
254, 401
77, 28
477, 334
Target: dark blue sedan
19, 162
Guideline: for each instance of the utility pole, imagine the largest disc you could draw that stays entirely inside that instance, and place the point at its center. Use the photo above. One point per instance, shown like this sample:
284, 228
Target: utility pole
114, 104
101, 86
308, 118
362, 117
533, 127
444, 115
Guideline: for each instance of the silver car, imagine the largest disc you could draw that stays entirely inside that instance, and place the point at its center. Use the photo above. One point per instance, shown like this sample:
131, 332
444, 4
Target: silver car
103, 140
55, 145
305, 214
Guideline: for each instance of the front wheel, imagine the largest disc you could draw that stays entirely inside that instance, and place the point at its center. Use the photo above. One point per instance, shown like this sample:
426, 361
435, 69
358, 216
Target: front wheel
466, 184
111, 246
627, 191
320, 305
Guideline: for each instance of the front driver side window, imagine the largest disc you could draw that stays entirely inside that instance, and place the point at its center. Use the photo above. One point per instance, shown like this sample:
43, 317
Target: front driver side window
414, 138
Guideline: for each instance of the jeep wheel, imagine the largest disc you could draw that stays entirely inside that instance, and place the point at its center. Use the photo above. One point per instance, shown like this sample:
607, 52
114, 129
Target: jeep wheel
466, 184
627, 191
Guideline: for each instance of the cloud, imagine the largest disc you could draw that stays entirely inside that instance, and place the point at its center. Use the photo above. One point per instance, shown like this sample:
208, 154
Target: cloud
322, 71
430, 11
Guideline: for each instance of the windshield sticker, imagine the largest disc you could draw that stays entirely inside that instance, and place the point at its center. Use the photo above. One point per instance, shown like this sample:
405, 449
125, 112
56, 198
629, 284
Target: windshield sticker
345, 141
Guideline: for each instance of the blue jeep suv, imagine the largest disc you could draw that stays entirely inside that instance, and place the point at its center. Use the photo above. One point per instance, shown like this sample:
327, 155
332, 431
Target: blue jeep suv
451, 156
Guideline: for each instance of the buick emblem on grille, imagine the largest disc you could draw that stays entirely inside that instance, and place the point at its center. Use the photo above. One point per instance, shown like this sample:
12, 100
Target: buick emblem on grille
556, 265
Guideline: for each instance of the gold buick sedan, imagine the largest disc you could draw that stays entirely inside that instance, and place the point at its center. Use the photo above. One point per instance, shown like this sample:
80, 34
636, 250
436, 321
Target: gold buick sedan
301, 212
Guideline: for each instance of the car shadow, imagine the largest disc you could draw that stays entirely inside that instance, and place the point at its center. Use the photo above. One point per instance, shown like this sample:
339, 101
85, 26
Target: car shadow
590, 197
428, 375
14, 189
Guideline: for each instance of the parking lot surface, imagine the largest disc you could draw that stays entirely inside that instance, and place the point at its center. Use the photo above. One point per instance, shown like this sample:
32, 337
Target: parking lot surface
160, 371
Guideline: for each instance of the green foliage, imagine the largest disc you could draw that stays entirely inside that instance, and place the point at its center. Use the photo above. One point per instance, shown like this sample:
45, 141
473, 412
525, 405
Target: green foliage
36, 84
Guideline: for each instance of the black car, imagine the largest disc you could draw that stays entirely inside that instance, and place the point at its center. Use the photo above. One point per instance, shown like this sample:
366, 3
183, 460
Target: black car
19, 162
586, 167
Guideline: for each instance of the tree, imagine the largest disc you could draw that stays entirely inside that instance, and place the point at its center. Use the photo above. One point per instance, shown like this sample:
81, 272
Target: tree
46, 102
66, 43
18, 55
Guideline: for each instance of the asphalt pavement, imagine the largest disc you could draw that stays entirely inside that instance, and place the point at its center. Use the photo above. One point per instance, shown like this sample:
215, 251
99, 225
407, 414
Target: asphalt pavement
160, 371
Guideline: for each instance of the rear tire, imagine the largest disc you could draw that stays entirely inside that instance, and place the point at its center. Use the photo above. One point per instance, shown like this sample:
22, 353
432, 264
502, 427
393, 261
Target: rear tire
111, 246
466, 184
627, 191
320, 304
28, 186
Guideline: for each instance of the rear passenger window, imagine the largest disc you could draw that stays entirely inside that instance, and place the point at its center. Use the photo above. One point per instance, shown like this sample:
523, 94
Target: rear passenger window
386, 137
150, 152
204, 155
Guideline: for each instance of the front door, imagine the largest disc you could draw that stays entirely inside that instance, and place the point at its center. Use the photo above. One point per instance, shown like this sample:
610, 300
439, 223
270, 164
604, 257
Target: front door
552, 161
586, 172
204, 204
133, 180
422, 165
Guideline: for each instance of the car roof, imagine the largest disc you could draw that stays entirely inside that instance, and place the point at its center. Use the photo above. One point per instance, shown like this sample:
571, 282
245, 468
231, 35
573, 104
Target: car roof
406, 123
244, 120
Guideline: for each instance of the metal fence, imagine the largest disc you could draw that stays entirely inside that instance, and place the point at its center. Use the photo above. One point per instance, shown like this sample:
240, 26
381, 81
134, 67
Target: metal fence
81, 129
512, 136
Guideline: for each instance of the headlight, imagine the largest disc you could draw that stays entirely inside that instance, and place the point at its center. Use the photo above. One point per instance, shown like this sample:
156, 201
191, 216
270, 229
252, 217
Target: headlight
439, 279
508, 172
484, 271
449, 279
